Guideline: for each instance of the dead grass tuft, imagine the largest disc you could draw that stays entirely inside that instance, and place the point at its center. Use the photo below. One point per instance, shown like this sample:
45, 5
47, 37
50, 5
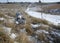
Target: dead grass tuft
22, 38
29, 29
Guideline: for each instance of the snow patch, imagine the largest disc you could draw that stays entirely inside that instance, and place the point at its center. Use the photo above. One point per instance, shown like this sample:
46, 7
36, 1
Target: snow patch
2, 19
55, 19
42, 31
35, 25
7, 30
13, 36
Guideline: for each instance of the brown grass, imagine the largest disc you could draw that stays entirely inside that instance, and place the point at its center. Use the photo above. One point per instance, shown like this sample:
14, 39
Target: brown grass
44, 28
22, 38
54, 26
4, 38
51, 6
1, 15
36, 20
1, 22
29, 29
9, 25
10, 14
41, 37
16, 28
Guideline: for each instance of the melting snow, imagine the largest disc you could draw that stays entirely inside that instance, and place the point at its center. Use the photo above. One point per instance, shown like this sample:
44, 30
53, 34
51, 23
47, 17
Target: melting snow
55, 19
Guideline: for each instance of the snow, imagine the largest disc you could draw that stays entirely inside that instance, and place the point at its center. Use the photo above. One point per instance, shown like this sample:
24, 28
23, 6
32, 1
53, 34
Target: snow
50, 38
32, 39
13, 36
50, 1
55, 19
34, 8
35, 25
7, 30
55, 33
2, 19
42, 31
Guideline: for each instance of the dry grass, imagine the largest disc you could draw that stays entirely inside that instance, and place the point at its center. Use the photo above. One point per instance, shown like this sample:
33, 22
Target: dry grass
54, 26
7, 24
44, 28
16, 28
1, 22
36, 20
41, 37
29, 30
31, 19
4, 38
11, 14
51, 6
22, 38
1, 15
